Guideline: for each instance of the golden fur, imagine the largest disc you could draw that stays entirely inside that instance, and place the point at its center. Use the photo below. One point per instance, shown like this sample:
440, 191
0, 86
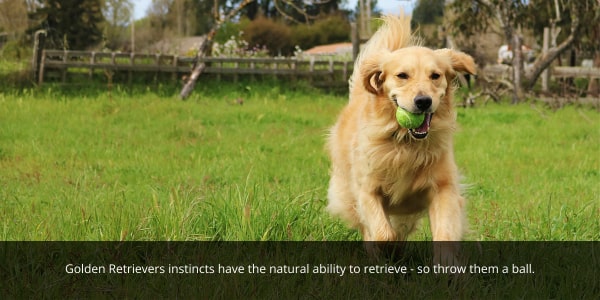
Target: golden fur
384, 176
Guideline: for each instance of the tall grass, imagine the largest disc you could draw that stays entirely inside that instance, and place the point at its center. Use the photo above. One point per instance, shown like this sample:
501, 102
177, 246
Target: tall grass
143, 165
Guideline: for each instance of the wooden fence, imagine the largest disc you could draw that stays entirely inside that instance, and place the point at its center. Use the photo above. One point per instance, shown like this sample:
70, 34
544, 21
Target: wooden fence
555, 72
326, 73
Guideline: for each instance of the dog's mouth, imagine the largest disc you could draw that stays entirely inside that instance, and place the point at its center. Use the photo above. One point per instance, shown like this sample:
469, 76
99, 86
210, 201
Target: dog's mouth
422, 131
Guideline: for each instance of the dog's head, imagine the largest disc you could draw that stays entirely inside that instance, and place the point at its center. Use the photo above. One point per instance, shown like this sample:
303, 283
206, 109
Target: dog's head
416, 79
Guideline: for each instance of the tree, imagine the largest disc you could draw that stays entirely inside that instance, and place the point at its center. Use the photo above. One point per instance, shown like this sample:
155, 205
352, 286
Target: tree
427, 12
220, 18
70, 24
427, 17
510, 16
118, 15
13, 17
224, 13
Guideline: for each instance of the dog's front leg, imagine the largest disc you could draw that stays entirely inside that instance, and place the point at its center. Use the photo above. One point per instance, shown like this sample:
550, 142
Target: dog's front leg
375, 224
447, 221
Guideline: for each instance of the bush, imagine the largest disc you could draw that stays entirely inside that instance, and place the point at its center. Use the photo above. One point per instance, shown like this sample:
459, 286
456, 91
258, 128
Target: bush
236, 46
333, 29
229, 29
15, 50
273, 35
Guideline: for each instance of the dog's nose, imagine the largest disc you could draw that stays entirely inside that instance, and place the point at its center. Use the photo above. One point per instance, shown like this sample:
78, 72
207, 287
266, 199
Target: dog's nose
423, 102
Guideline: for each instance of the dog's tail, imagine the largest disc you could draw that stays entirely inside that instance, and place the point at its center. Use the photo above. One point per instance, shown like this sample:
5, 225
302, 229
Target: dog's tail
393, 34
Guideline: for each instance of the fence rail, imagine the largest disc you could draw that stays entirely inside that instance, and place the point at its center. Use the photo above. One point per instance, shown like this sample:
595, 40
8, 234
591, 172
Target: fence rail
556, 72
321, 72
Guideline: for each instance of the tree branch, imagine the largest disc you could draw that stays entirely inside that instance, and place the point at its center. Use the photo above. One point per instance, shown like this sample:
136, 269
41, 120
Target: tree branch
206, 46
544, 61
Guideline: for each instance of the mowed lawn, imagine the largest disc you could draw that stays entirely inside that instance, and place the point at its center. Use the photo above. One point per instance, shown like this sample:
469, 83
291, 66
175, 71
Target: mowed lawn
147, 166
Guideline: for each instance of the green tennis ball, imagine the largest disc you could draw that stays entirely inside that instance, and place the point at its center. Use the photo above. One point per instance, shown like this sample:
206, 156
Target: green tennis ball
409, 120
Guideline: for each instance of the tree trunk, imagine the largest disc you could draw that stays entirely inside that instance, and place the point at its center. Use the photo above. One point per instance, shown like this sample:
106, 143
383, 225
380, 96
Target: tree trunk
517, 64
198, 68
206, 47
544, 61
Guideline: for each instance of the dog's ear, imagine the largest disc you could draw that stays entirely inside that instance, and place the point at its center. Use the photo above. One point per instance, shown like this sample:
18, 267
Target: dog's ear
372, 76
374, 82
459, 61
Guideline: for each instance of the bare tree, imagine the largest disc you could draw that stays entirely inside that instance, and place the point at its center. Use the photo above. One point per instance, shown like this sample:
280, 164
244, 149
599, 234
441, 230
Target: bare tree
222, 15
206, 45
510, 16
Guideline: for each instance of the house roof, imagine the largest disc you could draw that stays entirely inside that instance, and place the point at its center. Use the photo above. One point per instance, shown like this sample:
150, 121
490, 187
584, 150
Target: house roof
336, 48
180, 46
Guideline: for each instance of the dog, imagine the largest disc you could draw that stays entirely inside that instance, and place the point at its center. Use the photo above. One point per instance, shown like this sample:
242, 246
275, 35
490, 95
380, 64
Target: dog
383, 176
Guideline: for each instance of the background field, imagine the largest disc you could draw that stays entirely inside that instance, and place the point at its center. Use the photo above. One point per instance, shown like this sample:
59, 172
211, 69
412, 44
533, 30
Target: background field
143, 165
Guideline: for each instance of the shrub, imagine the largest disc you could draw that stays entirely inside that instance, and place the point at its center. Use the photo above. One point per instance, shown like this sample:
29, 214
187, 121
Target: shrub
333, 29
14, 49
268, 33
236, 46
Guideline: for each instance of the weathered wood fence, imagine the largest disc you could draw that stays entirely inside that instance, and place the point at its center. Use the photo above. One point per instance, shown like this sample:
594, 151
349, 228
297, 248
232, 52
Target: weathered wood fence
556, 72
326, 73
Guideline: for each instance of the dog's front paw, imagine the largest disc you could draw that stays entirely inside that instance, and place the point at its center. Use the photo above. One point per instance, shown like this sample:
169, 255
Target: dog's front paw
384, 234
446, 253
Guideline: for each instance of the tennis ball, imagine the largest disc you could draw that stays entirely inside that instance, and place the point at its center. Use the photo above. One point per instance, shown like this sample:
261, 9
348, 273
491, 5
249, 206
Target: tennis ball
409, 120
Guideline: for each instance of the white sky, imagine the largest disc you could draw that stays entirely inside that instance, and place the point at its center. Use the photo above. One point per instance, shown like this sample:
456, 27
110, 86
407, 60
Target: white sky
387, 6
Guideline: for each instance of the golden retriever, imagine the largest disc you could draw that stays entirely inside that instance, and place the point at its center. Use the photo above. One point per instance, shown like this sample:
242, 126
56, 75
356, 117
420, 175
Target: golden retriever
383, 176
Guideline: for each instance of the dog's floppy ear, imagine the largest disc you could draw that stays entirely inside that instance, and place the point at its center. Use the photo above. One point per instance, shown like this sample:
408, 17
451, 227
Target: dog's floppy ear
372, 76
460, 61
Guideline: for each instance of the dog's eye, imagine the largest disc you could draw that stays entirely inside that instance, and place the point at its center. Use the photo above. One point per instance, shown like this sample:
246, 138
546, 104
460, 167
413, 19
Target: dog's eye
402, 75
435, 76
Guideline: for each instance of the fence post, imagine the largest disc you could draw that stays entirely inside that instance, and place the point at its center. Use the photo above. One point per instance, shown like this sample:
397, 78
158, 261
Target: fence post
157, 62
294, 69
175, 63
252, 67
38, 49
92, 62
311, 68
546, 73
332, 74
131, 63
345, 71
41, 73
64, 70
221, 68
236, 66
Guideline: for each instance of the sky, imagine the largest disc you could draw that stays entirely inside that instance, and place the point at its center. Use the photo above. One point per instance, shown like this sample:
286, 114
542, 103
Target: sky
387, 6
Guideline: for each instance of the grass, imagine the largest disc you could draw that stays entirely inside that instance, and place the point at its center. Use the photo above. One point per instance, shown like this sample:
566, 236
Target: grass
143, 165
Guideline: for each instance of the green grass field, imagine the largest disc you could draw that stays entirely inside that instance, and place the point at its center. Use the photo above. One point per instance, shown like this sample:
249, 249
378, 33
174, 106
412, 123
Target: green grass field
143, 165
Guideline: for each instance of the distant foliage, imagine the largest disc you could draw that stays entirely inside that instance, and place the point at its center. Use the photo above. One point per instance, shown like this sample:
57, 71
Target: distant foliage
70, 24
333, 29
283, 39
428, 12
275, 36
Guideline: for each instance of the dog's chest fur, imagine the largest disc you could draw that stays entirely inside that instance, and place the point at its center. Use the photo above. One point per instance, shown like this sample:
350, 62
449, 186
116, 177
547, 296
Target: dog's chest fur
402, 169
